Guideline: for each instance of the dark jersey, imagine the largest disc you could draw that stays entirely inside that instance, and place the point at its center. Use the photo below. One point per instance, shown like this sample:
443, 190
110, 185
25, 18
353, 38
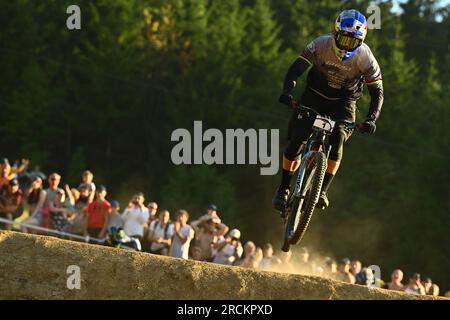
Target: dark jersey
335, 79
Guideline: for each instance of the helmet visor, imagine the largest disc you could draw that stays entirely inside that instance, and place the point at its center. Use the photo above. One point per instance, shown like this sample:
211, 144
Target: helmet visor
346, 42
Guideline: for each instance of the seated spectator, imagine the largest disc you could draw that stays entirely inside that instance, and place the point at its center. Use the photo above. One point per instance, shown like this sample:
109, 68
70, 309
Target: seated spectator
415, 286
35, 196
160, 234
396, 281
114, 219
10, 202
208, 231
344, 273
97, 212
269, 261
183, 234
248, 257
135, 217
229, 248
53, 182
196, 253
59, 213
87, 182
431, 289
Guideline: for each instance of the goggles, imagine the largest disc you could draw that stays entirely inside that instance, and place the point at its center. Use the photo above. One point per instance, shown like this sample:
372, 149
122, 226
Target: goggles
346, 42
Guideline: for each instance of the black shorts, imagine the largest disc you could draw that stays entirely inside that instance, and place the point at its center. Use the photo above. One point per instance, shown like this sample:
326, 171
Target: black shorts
300, 129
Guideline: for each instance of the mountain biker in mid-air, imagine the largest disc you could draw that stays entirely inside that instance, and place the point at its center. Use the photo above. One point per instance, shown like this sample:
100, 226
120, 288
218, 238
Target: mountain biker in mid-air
339, 64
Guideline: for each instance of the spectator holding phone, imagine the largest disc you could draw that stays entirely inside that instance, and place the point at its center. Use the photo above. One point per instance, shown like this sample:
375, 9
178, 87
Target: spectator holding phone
135, 217
35, 196
208, 231
415, 285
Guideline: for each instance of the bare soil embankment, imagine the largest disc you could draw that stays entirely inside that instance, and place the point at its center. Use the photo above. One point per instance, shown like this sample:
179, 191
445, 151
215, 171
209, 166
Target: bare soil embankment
35, 267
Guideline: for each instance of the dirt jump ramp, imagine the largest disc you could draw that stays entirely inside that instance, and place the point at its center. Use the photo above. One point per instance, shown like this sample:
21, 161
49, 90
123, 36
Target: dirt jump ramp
36, 267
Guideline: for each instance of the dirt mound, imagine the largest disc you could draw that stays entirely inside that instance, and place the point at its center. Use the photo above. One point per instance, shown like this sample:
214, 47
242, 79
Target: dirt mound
36, 267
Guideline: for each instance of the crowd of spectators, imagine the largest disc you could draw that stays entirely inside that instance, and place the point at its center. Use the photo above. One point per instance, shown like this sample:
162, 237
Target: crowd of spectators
85, 211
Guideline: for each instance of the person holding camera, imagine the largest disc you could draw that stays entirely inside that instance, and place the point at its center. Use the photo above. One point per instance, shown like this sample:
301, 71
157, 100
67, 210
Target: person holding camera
229, 249
161, 233
135, 217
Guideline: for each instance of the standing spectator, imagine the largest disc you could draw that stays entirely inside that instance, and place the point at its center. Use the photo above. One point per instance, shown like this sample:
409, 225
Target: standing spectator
78, 219
135, 217
35, 196
248, 256
10, 202
396, 281
344, 273
114, 219
431, 289
59, 213
303, 263
415, 286
330, 268
7, 173
286, 262
152, 209
208, 230
196, 253
269, 261
229, 249
183, 234
53, 181
160, 234
36, 173
87, 181
356, 271
97, 212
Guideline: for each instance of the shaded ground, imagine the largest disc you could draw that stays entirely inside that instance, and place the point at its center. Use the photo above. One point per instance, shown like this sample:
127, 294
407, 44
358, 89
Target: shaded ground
35, 267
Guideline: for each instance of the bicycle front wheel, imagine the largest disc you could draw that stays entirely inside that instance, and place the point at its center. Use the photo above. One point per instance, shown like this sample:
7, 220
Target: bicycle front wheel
310, 194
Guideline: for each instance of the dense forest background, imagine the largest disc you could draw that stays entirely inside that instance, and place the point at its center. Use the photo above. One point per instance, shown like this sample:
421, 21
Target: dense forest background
108, 96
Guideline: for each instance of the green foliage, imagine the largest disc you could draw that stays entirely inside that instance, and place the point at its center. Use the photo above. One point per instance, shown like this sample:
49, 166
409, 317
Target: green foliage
108, 96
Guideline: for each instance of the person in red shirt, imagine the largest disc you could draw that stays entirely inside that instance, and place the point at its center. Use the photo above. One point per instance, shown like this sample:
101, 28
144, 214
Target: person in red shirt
97, 212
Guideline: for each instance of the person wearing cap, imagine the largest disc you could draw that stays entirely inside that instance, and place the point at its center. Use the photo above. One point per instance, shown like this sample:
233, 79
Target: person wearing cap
10, 202
208, 231
97, 212
229, 248
344, 273
211, 212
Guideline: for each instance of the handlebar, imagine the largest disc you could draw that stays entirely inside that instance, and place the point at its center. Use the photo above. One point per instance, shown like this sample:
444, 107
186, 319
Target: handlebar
346, 123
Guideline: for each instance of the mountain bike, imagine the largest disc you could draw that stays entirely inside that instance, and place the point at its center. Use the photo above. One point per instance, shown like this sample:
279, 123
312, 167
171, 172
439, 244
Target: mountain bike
308, 184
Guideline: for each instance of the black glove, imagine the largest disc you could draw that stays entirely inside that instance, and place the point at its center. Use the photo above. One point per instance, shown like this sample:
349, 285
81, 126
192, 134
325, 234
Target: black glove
368, 126
288, 100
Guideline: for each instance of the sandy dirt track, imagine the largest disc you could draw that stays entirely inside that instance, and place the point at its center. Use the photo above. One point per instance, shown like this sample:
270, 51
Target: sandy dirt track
35, 267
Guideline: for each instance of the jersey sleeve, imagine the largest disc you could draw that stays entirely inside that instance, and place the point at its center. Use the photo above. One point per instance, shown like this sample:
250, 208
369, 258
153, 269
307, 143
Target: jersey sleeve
372, 72
309, 53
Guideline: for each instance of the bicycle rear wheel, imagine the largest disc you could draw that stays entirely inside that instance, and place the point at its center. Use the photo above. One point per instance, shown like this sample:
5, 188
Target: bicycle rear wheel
310, 192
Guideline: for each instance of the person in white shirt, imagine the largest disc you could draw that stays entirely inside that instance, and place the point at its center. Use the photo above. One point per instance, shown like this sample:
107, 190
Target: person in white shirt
160, 234
229, 249
183, 234
135, 217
